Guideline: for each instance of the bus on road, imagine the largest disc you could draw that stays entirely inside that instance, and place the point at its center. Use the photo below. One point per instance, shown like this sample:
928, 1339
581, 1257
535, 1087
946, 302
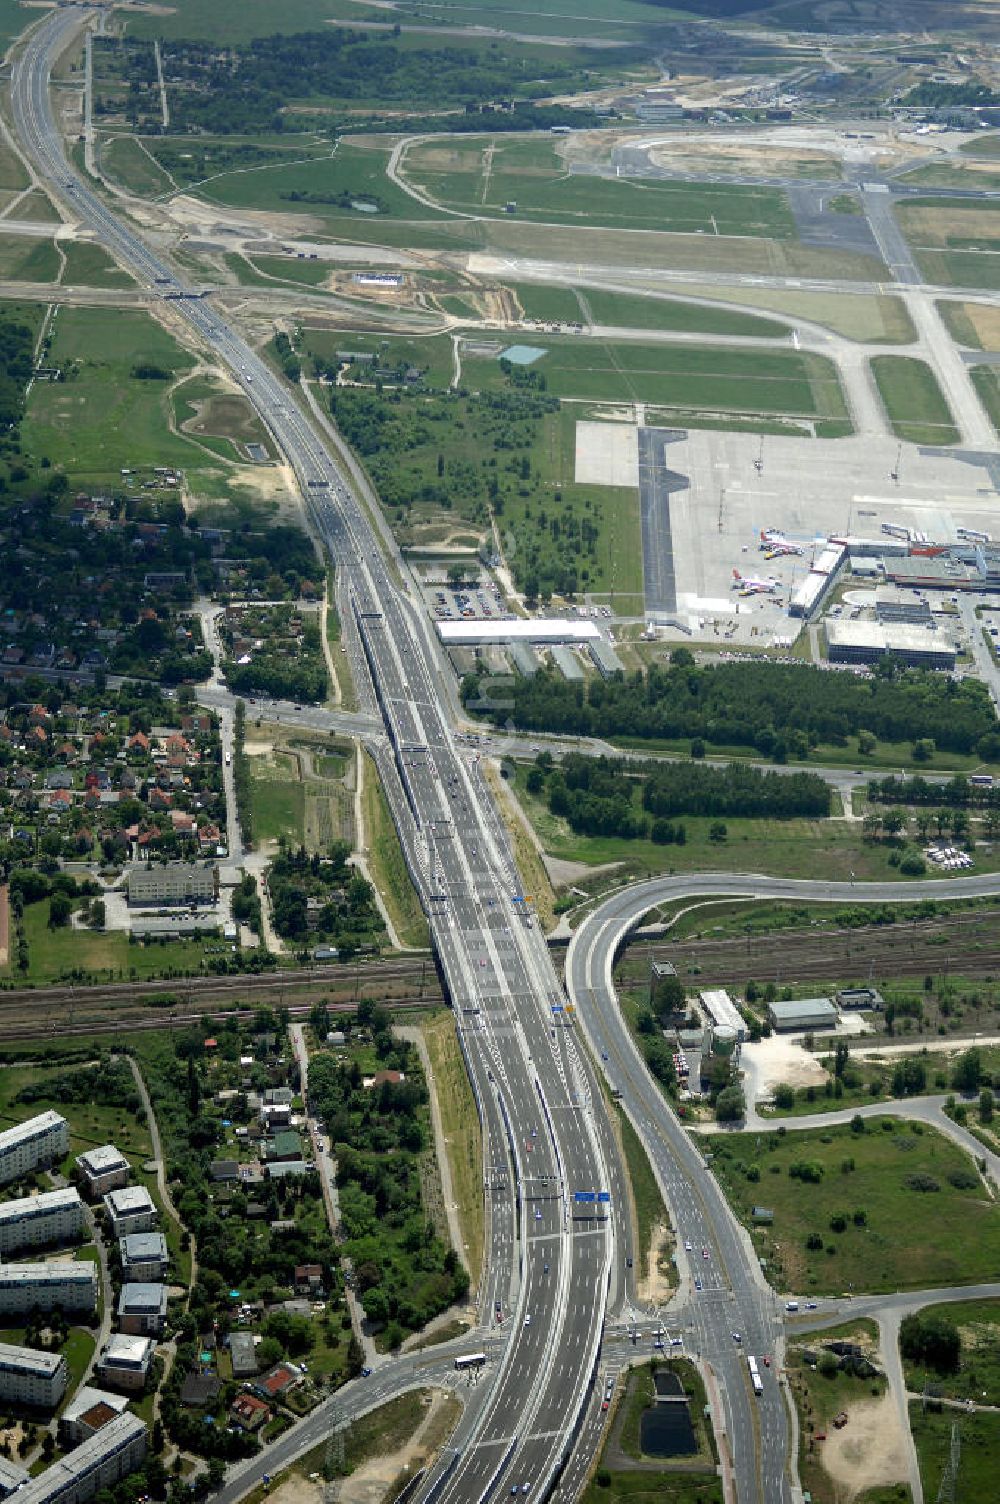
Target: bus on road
471, 1360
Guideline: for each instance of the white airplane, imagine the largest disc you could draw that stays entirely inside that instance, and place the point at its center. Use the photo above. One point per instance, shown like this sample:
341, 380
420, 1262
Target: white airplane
775, 545
749, 585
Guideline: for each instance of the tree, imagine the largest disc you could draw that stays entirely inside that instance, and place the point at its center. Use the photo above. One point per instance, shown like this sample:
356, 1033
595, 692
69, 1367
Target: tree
867, 742
968, 1070
784, 1097
60, 909
894, 820
986, 1105
931, 1338
730, 1105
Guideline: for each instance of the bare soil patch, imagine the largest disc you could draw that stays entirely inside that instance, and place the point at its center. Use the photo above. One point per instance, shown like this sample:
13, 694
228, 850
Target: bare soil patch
869, 1451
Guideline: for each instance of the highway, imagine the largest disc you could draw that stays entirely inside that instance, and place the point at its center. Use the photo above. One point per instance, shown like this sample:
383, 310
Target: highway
552, 1258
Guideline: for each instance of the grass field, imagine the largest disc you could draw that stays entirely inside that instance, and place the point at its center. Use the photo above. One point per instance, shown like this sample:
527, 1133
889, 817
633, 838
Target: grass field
126, 162
482, 176
277, 798
914, 402
89, 265
432, 353
986, 380
865, 317
460, 1126
26, 260
686, 377
387, 865
551, 304
12, 173
955, 242
650, 1212
976, 325
628, 310
877, 1173
979, 1462
792, 848
66, 953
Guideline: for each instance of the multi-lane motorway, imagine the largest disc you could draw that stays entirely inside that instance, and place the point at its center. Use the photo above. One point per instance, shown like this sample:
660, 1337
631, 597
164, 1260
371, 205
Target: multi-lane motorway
552, 1258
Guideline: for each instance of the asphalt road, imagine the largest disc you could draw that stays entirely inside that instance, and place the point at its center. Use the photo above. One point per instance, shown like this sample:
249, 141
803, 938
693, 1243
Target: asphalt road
552, 1256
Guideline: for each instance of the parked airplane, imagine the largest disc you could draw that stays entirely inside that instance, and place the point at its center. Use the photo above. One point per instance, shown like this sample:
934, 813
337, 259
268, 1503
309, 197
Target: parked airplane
775, 545
749, 585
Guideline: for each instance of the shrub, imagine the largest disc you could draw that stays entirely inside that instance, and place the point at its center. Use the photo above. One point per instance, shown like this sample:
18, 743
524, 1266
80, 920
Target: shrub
921, 1181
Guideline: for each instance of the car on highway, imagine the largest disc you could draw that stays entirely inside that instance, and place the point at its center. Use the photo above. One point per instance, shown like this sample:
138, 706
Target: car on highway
687, 1246
704, 1253
697, 1284
527, 1319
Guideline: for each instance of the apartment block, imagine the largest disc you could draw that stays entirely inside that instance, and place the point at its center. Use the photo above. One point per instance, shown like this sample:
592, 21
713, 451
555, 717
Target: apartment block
104, 1169
30, 1377
117, 1449
125, 1361
131, 1209
37, 1221
33, 1145
50, 1287
144, 1257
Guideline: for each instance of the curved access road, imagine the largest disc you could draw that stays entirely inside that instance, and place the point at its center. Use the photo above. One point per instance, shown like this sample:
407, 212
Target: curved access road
733, 1294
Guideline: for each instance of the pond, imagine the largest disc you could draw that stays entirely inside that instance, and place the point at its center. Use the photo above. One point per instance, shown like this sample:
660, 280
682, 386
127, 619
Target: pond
666, 1430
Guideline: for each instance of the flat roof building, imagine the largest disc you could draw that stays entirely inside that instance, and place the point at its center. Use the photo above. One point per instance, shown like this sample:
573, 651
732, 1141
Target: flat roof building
130, 1209
605, 658
104, 1169
567, 663
50, 1287
88, 1411
125, 1361
142, 1309
37, 1221
546, 629
723, 1012
144, 1256
524, 659
104, 1459
30, 1377
803, 1015
243, 1355
867, 642
174, 883
32, 1145
12, 1477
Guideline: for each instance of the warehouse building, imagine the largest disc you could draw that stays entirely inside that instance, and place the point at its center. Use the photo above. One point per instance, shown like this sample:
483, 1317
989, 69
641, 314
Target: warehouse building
88, 1411
50, 1287
173, 883
473, 632
867, 642
30, 1377
104, 1169
803, 1015
142, 1309
35, 1221
567, 663
524, 659
144, 1256
125, 1361
605, 658
116, 1450
131, 1209
34, 1145
723, 1013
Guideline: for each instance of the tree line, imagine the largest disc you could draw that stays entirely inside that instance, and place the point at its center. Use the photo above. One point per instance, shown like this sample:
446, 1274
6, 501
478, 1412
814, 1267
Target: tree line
954, 792
603, 796
778, 710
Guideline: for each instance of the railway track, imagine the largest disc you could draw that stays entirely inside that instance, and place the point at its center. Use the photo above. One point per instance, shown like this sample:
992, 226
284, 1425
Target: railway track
965, 944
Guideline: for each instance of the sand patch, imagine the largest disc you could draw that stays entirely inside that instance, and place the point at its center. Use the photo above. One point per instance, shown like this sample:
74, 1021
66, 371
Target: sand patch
869, 1452
986, 322
297, 1490
656, 1288
778, 1060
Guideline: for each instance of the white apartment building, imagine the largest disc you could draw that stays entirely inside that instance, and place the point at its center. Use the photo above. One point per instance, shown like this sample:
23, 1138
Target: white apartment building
33, 1145
104, 1169
144, 1257
11, 1477
113, 1452
30, 1377
68, 1287
125, 1361
34, 1221
132, 1209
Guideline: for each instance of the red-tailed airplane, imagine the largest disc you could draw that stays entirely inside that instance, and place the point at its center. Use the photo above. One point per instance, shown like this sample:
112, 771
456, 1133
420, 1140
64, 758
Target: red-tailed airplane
749, 585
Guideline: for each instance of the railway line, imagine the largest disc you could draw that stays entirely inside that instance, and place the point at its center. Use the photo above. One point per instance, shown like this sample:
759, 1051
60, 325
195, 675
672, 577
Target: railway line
964, 944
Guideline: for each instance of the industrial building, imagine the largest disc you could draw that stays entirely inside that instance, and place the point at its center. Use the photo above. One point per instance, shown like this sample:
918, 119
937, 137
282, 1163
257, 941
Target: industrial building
605, 658
107, 1457
125, 1361
544, 630
723, 1013
104, 1169
567, 663
131, 1209
30, 1377
88, 1411
173, 883
34, 1145
867, 998
35, 1221
524, 659
802, 1016
822, 573
867, 642
142, 1309
49, 1287
144, 1256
